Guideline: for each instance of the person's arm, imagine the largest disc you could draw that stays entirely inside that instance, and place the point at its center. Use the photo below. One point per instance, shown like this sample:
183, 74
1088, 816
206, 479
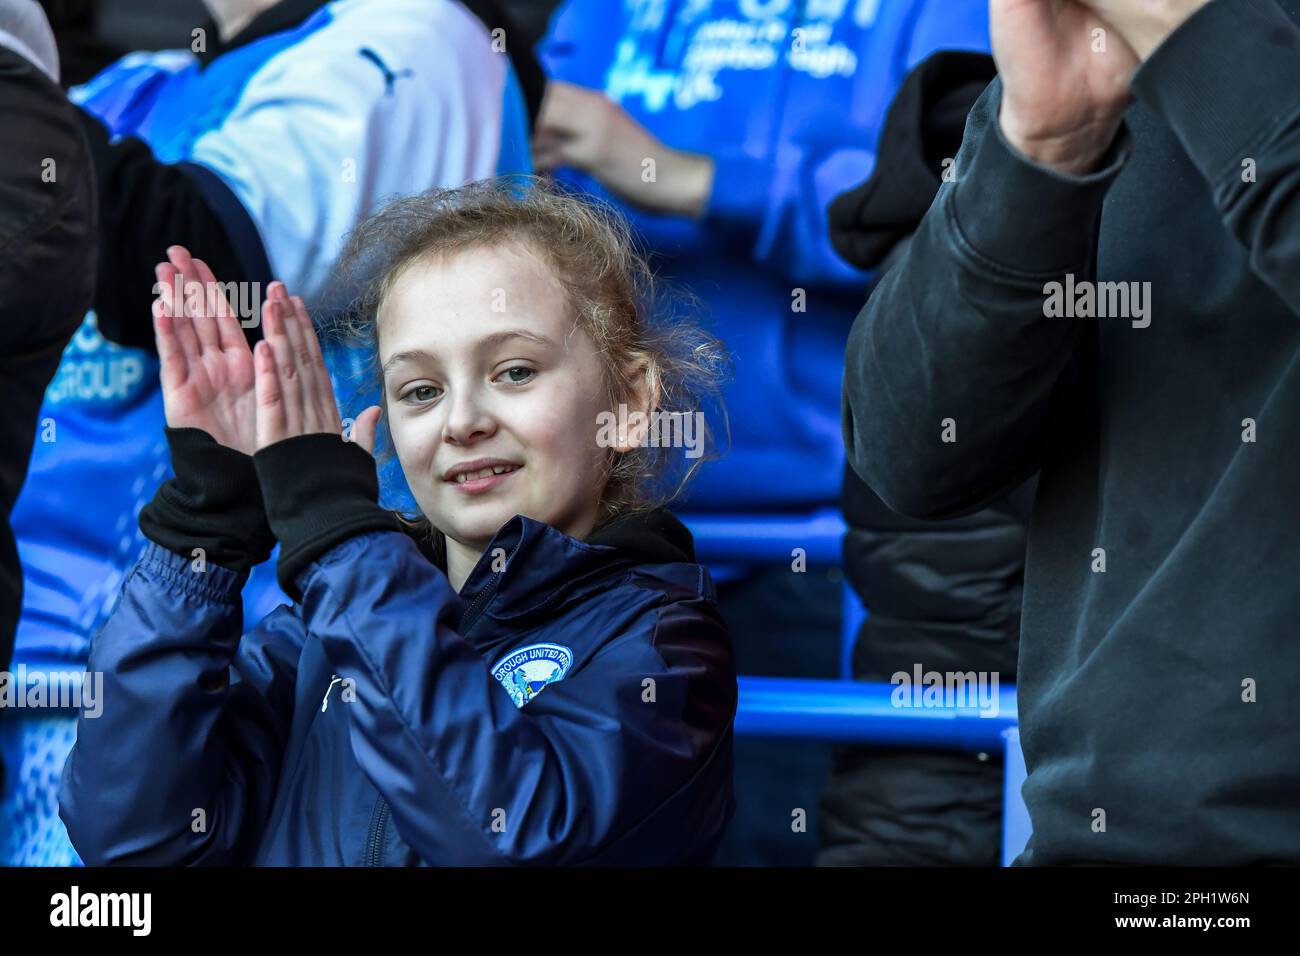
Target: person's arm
777, 199
145, 206
953, 368
181, 763
956, 331
1227, 81
361, 110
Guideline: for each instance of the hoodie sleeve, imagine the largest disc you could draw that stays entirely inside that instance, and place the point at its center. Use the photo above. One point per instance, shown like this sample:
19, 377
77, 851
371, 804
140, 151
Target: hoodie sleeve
1240, 126
181, 761
952, 369
471, 779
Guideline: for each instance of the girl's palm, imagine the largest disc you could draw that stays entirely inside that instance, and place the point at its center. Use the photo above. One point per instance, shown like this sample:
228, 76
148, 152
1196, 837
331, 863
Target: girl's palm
207, 366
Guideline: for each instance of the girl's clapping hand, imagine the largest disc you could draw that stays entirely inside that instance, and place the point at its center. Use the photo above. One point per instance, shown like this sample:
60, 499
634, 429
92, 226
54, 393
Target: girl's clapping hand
293, 389
207, 368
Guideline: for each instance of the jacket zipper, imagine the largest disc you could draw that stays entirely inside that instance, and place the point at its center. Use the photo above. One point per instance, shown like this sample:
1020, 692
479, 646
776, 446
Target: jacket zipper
378, 827
471, 613
379, 818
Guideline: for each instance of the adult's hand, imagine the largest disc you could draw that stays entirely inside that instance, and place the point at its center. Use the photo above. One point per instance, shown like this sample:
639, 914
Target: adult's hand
1065, 80
586, 130
1145, 24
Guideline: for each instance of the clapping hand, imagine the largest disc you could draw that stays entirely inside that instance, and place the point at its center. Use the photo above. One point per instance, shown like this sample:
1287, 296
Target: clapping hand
294, 392
245, 399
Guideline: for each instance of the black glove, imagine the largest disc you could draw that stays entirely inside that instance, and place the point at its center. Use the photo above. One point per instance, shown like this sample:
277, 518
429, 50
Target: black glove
320, 491
214, 502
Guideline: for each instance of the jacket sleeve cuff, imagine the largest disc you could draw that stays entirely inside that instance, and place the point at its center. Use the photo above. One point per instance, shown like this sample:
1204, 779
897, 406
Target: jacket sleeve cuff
213, 502
218, 585
1224, 79
320, 491
1024, 218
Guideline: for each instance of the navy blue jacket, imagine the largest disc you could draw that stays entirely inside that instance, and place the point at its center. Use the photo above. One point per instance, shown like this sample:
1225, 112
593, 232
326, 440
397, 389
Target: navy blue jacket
572, 705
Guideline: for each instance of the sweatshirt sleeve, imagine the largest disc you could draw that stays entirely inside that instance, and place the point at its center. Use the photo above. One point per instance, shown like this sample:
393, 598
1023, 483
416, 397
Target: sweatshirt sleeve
1227, 82
146, 205
952, 367
473, 780
180, 763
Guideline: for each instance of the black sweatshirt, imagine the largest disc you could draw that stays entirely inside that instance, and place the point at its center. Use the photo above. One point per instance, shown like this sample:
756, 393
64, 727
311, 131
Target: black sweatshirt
1155, 695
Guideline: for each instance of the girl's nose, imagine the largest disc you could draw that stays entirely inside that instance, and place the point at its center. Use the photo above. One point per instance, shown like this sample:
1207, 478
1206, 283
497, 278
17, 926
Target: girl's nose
468, 418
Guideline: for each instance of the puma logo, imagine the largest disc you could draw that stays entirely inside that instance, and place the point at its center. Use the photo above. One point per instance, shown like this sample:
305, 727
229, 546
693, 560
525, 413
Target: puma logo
389, 75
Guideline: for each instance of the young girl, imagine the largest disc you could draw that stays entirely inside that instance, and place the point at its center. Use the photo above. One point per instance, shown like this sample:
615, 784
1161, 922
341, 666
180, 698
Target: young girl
533, 672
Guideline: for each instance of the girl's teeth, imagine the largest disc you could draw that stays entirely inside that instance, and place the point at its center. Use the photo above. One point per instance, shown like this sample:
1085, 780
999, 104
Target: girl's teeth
483, 473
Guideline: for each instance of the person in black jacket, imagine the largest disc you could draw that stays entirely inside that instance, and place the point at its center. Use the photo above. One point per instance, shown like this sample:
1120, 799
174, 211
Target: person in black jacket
47, 256
945, 595
1109, 293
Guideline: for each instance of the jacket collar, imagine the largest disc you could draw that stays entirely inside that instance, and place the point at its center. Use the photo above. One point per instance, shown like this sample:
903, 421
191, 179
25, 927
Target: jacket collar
544, 568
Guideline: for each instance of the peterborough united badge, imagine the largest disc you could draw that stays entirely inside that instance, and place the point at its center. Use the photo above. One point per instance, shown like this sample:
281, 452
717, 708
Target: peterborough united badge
523, 673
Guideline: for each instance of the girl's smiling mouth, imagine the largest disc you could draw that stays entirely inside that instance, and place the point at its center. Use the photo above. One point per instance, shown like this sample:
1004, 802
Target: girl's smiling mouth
481, 474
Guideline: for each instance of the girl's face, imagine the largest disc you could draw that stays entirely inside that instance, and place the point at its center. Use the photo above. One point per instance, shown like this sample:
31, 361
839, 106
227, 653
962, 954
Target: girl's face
492, 394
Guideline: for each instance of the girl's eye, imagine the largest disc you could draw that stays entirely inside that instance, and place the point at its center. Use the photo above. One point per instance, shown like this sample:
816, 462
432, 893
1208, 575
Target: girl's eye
512, 379
421, 394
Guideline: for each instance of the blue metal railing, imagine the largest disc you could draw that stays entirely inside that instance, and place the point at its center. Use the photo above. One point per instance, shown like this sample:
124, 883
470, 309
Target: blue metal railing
767, 539
858, 712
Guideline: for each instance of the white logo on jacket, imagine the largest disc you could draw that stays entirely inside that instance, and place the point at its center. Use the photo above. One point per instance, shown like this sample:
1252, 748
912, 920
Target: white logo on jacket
325, 701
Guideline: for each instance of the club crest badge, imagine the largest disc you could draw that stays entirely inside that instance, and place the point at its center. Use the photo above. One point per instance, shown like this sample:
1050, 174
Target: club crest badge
523, 673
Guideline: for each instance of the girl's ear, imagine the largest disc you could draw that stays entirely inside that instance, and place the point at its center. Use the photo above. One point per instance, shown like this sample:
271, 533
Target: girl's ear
642, 400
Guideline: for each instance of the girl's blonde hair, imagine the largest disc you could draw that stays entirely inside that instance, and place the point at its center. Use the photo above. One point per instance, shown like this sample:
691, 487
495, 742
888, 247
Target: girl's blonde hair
588, 247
